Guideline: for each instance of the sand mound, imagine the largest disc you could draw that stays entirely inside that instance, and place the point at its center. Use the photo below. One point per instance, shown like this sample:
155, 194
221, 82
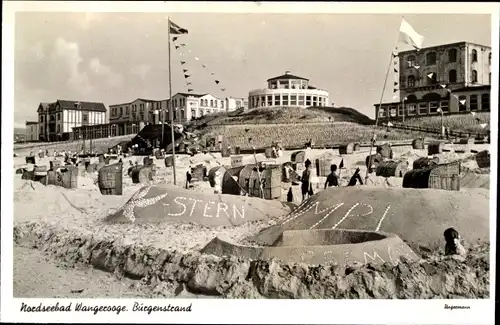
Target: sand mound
164, 270
320, 247
416, 216
152, 204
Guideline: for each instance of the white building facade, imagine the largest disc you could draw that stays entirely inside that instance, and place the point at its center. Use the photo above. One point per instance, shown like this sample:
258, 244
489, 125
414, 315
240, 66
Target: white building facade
288, 91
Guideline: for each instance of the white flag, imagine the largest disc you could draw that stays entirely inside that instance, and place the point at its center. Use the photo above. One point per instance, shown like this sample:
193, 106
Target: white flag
483, 125
395, 97
196, 58
463, 101
389, 124
473, 113
416, 67
156, 111
443, 86
409, 35
430, 75
439, 110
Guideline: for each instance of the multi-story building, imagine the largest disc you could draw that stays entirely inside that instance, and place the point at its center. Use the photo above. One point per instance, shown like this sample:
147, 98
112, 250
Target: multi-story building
58, 119
189, 106
32, 131
454, 77
130, 117
287, 91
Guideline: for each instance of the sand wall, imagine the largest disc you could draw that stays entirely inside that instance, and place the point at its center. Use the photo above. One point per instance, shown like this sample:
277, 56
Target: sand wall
173, 272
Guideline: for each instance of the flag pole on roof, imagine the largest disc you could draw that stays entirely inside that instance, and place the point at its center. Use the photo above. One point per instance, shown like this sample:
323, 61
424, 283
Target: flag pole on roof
173, 29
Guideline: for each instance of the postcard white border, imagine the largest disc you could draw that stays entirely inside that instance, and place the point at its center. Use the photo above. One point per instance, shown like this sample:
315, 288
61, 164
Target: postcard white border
244, 311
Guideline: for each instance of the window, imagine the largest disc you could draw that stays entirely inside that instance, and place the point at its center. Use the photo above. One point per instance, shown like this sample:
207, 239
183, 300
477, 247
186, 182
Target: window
430, 58
489, 59
485, 102
433, 107
277, 100
269, 100
381, 112
489, 78
128, 110
474, 76
462, 107
473, 102
41, 118
474, 56
58, 116
445, 106
452, 55
393, 110
58, 128
285, 100
315, 101
301, 100
411, 81
452, 76
308, 100
423, 109
222, 104
401, 110
121, 111
433, 79
411, 61
193, 113
293, 100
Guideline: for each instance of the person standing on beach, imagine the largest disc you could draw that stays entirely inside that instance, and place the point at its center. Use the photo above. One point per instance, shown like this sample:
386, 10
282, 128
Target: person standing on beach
307, 190
332, 179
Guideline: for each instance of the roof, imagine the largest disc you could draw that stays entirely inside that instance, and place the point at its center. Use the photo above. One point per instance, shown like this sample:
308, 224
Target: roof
144, 100
287, 76
31, 123
45, 105
189, 94
444, 45
472, 88
85, 106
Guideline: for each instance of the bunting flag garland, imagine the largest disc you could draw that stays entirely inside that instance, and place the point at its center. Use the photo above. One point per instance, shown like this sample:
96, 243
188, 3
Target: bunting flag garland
190, 90
430, 75
463, 101
389, 124
174, 39
395, 83
341, 165
395, 70
443, 86
177, 47
395, 97
473, 113
483, 125
204, 66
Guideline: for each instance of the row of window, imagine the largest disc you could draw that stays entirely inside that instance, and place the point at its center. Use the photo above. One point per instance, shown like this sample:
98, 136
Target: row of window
432, 107
431, 57
452, 78
286, 100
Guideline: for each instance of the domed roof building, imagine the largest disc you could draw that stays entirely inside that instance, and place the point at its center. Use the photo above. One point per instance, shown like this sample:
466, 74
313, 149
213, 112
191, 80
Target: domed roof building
287, 91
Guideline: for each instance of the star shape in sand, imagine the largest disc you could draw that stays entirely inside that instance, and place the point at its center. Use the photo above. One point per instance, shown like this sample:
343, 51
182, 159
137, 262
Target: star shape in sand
139, 201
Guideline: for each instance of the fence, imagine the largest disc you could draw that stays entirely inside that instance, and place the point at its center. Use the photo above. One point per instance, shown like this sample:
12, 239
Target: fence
451, 133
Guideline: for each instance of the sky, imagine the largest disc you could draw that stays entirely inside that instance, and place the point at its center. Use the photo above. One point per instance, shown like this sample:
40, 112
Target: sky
117, 57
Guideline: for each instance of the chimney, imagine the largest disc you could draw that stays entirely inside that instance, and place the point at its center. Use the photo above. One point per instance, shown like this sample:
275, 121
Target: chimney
287, 72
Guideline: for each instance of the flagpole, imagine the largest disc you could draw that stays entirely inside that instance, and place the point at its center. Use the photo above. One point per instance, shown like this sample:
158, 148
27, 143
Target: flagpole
380, 104
171, 111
